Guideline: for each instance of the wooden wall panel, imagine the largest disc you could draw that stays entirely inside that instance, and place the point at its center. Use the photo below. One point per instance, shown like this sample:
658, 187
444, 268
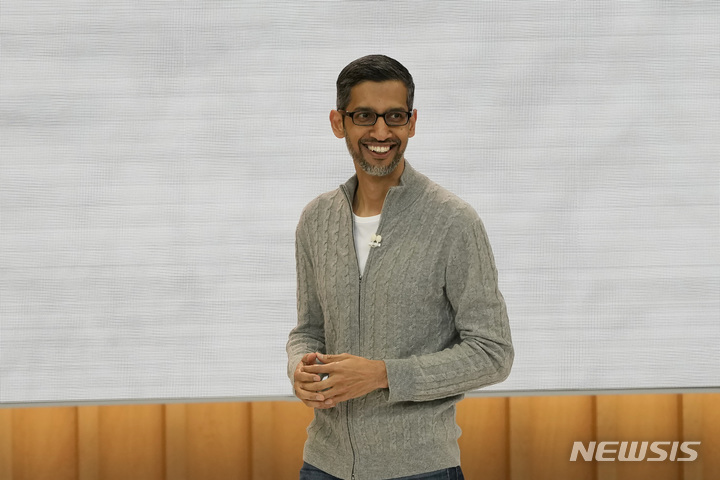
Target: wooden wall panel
484, 444
6, 451
131, 442
701, 422
218, 441
514, 438
176, 439
88, 443
44, 444
640, 418
542, 431
278, 435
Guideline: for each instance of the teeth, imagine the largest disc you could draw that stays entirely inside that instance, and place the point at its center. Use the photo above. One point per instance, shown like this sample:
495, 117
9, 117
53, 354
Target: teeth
375, 149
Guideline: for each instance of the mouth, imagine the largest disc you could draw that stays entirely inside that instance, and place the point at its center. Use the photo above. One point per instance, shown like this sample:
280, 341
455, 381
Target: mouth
380, 150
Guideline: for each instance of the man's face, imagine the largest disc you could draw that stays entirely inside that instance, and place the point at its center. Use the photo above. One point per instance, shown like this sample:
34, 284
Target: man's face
377, 149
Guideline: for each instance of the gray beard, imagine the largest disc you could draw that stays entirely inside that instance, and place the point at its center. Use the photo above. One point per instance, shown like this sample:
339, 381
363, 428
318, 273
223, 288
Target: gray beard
372, 169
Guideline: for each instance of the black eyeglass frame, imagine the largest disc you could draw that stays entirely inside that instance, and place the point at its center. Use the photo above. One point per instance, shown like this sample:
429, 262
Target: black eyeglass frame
377, 115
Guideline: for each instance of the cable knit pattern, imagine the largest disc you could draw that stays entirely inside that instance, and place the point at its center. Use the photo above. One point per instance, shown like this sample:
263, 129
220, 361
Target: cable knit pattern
428, 305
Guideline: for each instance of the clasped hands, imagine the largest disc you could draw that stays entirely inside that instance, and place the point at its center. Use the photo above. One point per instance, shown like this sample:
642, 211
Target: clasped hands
350, 376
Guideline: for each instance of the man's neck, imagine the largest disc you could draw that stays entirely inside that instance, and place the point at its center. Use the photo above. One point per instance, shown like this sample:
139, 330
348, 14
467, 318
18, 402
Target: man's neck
371, 190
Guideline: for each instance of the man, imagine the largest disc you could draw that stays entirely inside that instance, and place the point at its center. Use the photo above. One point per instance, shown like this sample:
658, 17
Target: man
399, 311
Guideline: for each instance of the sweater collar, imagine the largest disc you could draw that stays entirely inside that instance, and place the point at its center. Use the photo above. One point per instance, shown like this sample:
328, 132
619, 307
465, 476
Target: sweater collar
399, 197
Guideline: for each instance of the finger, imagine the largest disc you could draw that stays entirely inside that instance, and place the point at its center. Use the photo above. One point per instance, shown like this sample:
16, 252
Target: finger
332, 358
331, 402
306, 395
301, 364
309, 358
305, 377
319, 368
318, 405
335, 393
316, 386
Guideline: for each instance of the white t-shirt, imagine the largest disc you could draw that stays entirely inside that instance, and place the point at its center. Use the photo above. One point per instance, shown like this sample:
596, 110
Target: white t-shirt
364, 228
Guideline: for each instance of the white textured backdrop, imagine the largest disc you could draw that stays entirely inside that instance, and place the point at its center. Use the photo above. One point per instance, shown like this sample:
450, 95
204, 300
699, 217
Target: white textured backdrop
155, 157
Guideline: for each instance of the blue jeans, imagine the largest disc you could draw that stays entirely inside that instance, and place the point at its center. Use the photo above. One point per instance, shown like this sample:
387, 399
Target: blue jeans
308, 472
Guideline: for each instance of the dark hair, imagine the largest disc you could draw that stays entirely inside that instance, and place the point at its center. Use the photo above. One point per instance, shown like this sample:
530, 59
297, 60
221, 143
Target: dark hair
374, 68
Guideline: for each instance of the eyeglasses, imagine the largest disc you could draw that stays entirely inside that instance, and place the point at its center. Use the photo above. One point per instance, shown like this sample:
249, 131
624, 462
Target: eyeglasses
366, 118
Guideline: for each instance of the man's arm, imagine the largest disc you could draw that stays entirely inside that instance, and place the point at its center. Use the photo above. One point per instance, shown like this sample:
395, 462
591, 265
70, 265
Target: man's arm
309, 334
485, 354
483, 357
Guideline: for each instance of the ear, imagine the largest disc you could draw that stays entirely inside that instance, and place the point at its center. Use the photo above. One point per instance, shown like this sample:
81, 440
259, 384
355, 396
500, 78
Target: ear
336, 122
413, 119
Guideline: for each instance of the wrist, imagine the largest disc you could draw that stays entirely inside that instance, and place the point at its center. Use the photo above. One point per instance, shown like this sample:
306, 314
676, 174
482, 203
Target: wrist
382, 374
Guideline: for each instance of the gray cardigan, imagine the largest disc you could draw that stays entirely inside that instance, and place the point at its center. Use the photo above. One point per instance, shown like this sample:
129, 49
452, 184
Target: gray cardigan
427, 304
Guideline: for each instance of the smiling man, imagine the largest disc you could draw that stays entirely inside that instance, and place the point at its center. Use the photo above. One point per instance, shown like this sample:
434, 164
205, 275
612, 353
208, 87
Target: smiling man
399, 312
385, 143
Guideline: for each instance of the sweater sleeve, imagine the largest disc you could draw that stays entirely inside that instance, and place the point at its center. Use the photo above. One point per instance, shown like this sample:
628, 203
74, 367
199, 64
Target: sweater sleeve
309, 334
485, 353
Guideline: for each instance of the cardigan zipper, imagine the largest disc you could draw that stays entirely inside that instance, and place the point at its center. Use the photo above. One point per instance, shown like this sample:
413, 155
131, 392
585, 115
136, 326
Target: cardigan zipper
349, 402
360, 285
352, 447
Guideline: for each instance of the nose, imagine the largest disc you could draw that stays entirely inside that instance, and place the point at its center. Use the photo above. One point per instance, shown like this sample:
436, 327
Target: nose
380, 131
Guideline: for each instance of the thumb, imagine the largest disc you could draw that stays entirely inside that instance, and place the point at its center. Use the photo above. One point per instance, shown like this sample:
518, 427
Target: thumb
309, 358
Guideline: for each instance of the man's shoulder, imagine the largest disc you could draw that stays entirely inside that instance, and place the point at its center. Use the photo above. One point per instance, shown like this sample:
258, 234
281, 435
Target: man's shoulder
447, 204
322, 204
